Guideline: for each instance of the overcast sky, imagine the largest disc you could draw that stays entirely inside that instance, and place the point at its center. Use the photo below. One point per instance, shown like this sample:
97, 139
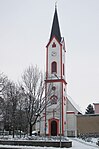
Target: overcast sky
25, 27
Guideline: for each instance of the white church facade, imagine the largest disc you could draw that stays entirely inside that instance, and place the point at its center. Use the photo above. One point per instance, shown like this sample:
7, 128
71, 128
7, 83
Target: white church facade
60, 116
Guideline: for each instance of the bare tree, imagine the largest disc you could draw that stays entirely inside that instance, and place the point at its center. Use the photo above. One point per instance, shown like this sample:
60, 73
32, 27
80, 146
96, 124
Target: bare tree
21, 118
11, 101
3, 81
34, 90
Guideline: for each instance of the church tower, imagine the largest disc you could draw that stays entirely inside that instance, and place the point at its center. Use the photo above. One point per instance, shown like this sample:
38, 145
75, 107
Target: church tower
55, 115
60, 113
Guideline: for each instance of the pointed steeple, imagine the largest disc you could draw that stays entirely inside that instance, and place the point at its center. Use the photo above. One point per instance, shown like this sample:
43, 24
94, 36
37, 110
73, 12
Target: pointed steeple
55, 31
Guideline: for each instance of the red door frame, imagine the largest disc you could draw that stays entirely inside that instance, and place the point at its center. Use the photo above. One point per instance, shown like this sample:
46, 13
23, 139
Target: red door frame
49, 125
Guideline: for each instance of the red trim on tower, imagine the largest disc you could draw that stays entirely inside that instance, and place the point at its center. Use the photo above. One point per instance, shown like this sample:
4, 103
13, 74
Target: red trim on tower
51, 41
61, 60
45, 105
70, 112
53, 45
62, 113
56, 80
63, 70
49, 125
46, 63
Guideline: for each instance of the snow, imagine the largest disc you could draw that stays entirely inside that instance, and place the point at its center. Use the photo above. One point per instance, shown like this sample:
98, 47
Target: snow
76, 144
80, 144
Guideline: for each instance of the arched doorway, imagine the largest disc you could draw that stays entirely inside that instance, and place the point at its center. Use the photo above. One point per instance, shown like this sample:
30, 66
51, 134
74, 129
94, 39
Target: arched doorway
53, 128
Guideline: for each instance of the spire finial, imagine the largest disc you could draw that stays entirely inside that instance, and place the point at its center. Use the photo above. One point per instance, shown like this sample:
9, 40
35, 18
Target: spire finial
55, 31
56, 5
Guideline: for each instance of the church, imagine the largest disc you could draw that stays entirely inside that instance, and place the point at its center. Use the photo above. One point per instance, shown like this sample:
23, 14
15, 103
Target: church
60, 117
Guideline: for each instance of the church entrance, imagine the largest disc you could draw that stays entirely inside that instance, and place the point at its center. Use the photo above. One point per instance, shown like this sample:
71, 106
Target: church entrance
53, 128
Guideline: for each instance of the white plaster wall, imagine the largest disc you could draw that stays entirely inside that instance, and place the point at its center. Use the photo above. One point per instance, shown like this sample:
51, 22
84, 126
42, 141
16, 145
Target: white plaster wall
63, 62
56, 107
72, 124
54, 58
64, 107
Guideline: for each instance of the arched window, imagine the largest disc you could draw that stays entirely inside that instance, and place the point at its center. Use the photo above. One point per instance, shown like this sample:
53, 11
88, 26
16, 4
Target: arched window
53, 45
54, 67
53, 99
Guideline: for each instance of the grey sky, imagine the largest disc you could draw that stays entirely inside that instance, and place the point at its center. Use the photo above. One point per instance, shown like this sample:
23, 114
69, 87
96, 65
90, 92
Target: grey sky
25, 27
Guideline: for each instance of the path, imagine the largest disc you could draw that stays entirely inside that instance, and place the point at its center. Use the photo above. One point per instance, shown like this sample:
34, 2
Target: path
77, 144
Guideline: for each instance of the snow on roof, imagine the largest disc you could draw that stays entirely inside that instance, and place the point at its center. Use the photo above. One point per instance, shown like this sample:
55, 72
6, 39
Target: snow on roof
96, 103
74, 104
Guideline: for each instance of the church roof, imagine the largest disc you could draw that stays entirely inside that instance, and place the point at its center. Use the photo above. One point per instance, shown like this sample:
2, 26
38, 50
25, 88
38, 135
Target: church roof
55, 31
74, 104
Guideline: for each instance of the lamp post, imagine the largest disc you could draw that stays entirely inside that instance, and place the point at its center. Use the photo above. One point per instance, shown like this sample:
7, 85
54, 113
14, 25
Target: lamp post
60, 111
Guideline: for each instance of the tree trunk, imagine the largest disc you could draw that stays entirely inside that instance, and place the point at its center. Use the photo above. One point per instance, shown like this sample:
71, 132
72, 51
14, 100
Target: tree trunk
13, 131
30, 129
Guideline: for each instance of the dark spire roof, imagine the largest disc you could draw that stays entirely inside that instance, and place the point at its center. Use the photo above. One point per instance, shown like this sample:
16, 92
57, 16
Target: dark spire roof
55, 31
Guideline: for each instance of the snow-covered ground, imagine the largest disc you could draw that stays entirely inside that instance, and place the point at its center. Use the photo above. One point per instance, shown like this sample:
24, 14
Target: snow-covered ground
81, 144
76, 144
